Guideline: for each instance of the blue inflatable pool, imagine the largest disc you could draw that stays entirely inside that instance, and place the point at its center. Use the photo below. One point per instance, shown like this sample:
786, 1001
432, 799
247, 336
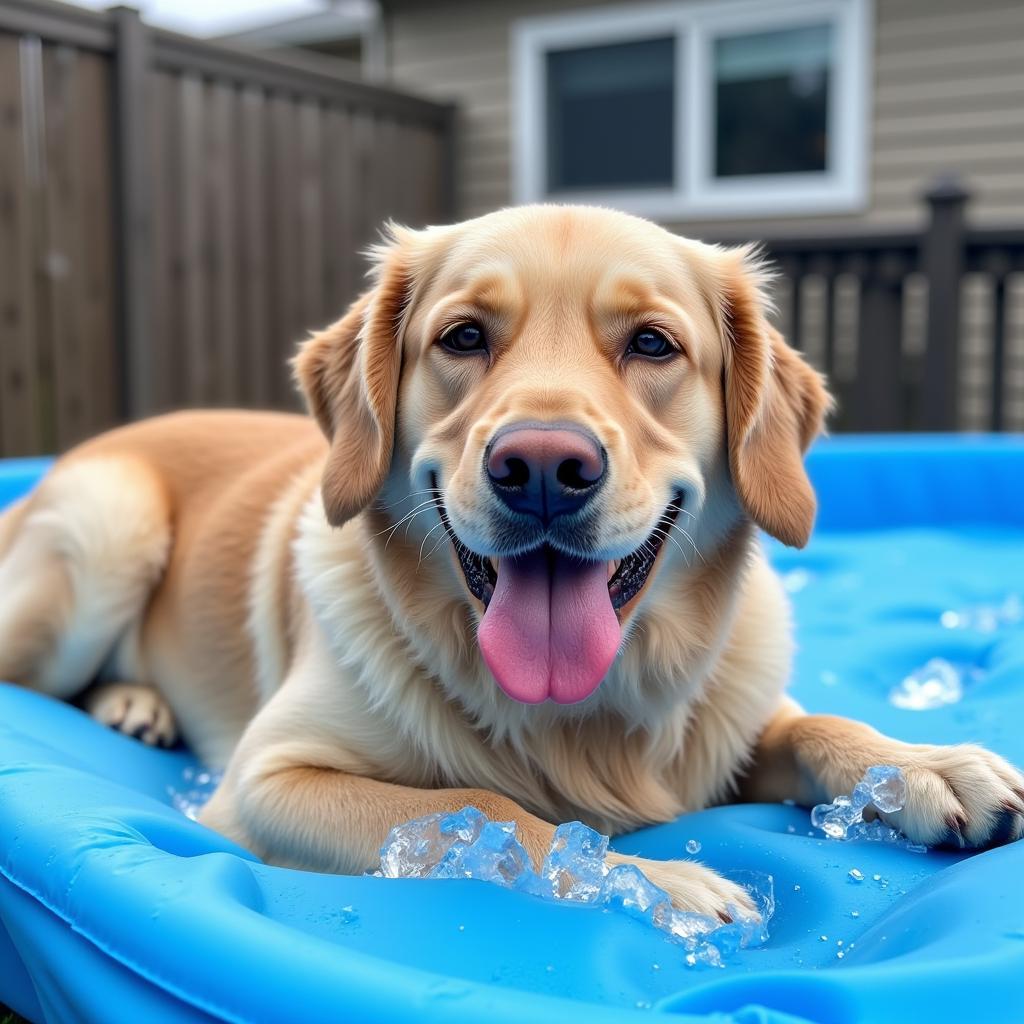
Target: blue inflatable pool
115, 907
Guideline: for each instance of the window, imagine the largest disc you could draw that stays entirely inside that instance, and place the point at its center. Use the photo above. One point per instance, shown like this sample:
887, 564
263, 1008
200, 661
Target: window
771, 101
725, 108
623, 90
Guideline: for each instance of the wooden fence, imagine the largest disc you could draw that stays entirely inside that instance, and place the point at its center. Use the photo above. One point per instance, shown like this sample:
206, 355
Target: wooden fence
174, 215
916, 331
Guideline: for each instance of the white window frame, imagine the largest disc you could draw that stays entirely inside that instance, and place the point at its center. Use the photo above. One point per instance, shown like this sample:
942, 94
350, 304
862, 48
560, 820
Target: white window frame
695, 192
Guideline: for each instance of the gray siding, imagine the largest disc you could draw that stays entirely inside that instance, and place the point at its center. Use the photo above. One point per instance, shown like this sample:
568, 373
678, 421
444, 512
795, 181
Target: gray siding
948, 95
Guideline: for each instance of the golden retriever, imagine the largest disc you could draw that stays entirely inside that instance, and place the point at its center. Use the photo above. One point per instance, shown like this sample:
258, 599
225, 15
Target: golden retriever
521, 572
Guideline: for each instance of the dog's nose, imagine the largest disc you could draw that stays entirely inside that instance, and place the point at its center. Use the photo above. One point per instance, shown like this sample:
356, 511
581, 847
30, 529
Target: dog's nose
545, 470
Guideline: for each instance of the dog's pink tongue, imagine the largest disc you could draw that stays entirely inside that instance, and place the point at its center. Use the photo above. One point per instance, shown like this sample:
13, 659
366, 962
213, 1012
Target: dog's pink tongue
550, 629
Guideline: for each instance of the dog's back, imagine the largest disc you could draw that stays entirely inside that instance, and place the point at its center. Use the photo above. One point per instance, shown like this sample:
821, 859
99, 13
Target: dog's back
106, 569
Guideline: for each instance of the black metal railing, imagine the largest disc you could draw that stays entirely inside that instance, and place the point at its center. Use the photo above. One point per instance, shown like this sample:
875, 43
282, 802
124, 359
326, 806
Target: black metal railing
882, 313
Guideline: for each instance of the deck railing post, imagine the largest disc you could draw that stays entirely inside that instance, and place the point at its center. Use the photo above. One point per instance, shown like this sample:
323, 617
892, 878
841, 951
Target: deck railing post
942, 260
131, 62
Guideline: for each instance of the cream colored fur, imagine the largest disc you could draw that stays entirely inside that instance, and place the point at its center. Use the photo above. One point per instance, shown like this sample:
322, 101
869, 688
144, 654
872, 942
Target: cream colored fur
294, 607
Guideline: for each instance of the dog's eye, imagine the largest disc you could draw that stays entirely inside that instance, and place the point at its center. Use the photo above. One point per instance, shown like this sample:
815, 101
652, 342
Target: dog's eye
650, 343
464, 338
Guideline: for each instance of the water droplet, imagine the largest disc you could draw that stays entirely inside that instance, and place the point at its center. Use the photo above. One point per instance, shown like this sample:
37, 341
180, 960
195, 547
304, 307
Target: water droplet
840, 955
854, 913
692, 846
856, 875
823, 938
796, 888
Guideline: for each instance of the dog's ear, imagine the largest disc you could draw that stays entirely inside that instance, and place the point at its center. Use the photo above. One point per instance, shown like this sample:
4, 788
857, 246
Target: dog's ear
349, 375
775, 406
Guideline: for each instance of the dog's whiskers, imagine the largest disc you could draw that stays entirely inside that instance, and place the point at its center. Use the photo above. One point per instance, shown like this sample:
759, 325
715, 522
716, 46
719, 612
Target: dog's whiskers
412, 494
435, 547
693, 545
409, 516
408, 525
666, 535
672, 507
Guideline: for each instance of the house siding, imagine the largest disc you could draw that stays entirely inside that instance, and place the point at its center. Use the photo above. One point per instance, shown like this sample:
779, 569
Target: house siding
948, 95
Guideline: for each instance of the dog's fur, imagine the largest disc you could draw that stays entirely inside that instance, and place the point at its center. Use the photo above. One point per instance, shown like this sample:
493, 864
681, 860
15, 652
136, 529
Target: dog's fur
294, 607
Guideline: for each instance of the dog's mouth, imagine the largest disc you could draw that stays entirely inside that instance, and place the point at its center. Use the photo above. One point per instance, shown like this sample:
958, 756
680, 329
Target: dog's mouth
551, 626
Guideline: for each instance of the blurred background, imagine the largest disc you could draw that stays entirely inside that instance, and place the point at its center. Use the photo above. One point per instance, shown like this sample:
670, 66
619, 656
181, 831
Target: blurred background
185, 189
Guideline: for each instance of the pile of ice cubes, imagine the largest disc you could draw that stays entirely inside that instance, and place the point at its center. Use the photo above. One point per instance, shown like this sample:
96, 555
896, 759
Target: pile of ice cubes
884, 787
466, 844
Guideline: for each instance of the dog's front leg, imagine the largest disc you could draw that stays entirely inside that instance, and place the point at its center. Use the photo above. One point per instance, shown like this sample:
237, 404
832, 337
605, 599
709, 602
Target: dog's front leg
298, 794
322, 819
962, 794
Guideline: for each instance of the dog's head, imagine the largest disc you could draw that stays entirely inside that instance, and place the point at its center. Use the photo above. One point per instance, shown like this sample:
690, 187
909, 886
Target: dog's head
579, 400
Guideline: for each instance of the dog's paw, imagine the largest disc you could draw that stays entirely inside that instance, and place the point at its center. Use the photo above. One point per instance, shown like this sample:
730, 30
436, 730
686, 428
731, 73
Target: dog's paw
694, 888
962, 795
134, 710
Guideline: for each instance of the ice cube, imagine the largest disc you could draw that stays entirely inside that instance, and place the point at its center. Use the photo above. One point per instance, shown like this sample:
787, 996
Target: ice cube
574, 868
888, 787
422, 847
413, 850
730, 938
935, 685
466, 824
861, 796
626, 887
761, 887
682, 926
834, 819
885, 788
495, 856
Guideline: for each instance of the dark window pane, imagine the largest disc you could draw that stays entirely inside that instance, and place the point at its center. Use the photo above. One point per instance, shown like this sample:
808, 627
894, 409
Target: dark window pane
771, 95
610, 111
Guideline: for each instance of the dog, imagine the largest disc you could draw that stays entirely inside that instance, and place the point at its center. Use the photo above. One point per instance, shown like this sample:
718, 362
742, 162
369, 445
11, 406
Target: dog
511, 560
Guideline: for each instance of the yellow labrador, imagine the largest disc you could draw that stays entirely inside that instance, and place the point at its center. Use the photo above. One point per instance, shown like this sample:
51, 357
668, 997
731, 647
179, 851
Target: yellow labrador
521, 572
